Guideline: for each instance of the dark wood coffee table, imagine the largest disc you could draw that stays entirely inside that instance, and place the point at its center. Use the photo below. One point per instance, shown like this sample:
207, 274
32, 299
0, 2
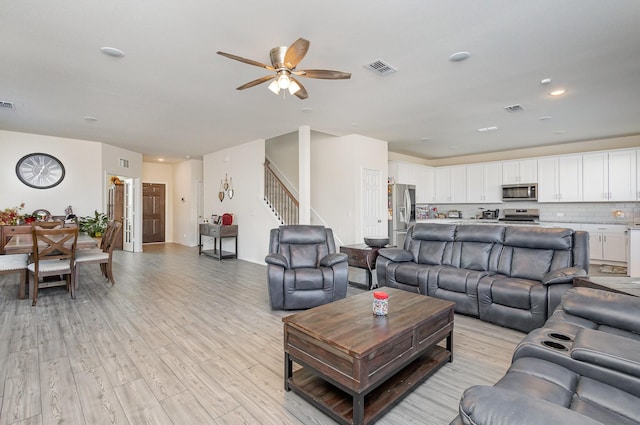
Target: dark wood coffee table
356, 366
619, 284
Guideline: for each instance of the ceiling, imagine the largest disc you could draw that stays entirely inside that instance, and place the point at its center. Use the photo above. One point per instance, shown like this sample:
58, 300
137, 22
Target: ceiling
172, 96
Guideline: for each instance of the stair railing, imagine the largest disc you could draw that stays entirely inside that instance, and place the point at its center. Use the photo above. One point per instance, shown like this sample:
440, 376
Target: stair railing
278, 197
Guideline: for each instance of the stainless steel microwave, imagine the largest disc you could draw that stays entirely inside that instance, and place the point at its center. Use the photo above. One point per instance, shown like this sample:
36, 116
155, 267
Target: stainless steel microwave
520, 192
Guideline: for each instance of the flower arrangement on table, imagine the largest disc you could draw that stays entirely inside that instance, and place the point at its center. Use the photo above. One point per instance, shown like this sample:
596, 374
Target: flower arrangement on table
11, 216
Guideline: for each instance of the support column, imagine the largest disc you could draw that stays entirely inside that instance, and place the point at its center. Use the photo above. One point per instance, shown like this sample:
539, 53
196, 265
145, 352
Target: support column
304, 171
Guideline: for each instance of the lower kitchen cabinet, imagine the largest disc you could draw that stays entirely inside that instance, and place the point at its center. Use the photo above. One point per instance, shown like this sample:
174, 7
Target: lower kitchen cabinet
607, 242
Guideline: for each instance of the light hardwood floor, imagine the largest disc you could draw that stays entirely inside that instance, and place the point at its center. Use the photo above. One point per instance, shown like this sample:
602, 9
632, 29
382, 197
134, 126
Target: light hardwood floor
182, 339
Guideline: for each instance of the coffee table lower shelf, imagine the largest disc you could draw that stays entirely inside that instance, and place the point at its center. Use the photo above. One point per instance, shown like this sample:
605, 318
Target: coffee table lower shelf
339, 404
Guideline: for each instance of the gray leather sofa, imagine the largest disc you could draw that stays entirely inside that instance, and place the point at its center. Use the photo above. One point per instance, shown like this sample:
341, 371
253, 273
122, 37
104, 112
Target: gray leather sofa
513, 276
303, 268
581, 367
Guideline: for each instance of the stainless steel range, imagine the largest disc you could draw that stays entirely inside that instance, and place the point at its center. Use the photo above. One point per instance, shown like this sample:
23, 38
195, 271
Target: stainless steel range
523, 216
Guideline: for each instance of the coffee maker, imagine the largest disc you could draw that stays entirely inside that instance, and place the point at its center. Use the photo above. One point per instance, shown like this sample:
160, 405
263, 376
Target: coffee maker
490, 214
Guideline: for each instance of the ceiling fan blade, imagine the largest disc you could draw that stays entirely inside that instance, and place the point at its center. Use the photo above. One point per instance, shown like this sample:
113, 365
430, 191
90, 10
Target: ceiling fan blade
302, 93
325, 74
244, 60
296, 52
256, 82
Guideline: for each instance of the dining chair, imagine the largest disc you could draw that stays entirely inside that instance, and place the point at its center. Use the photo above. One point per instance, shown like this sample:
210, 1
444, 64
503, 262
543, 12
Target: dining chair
102, 255
53, 254
16, 263
48, 224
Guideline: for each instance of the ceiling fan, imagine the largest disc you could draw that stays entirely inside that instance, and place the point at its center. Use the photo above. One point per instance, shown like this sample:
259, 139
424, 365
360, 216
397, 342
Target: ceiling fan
284, 61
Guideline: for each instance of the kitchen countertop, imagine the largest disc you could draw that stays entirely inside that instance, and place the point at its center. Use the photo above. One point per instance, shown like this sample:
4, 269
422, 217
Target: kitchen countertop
540, 223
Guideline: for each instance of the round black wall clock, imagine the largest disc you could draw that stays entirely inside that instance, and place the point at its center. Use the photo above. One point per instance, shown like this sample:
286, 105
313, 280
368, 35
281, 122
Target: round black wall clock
40, 170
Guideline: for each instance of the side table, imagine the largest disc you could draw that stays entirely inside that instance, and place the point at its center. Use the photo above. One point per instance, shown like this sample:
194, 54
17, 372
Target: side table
361, 256
218, 233
621, 285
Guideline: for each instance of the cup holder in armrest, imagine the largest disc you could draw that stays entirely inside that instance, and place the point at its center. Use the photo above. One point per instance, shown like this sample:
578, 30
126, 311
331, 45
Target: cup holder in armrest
555, 345
559, 336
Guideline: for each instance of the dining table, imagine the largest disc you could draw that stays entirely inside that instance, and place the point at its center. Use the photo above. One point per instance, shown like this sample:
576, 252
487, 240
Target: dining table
23, 243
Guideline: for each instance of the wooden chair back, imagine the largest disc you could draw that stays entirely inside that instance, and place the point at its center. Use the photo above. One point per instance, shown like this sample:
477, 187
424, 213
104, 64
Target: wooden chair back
111, 235
54, 244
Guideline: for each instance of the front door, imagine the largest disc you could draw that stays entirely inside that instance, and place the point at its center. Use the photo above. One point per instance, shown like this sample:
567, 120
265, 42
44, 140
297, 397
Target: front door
153, 215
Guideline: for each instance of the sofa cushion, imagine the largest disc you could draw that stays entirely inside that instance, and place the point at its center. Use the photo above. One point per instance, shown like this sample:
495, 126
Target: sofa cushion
526, 263
539, 237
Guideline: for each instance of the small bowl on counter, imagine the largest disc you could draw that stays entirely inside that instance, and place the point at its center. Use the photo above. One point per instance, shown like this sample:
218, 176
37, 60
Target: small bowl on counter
376, 242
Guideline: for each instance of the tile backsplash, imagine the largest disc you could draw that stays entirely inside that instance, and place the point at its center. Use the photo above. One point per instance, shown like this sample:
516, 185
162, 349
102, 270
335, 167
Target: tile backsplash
578, 212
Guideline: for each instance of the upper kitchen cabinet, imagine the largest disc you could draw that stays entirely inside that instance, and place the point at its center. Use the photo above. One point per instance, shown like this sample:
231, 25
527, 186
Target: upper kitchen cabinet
425, 184
451, 184
522, 171
609, 176
484, 182
560, 178
403, 172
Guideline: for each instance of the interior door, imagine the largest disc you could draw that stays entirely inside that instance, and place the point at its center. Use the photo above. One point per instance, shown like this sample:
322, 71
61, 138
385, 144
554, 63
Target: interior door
127, 223
373, 223
153, 212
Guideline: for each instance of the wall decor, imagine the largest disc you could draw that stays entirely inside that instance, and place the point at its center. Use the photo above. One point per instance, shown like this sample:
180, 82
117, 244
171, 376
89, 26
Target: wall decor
40, 170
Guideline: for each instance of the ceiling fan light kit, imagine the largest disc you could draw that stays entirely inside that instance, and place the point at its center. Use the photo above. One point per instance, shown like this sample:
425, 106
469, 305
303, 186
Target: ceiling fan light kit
284, 61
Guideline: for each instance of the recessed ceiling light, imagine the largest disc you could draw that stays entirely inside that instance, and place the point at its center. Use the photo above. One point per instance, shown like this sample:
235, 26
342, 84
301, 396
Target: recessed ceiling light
485, 129
161, 159
459, 57
90, 119
306, 109
560, 132
355, 124
558, 92
545, 81
112, 51
424, 139
545, 117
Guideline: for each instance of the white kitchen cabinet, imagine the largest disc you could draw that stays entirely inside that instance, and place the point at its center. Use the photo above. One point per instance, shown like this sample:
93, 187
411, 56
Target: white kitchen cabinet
484, 182
522, 171
425, 184
451, 184
403, 172
607, 242
609, 176
560, 178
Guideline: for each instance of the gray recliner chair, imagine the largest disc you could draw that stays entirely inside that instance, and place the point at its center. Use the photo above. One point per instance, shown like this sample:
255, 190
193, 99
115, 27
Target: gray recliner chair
303, 268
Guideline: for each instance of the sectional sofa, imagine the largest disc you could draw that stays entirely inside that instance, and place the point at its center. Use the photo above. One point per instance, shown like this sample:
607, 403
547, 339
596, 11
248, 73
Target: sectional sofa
581, 367
513, 276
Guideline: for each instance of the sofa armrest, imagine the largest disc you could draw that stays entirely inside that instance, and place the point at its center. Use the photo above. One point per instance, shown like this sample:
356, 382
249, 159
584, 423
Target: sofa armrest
483, 405
397, 255
333, 259
617, 310
607, 350
277, 260
564, 275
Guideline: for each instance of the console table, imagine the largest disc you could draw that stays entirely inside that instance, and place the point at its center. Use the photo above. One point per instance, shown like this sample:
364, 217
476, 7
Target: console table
361, 256
218, 233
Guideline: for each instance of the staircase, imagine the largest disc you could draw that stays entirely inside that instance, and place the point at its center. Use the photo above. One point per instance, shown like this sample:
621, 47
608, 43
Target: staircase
282, 202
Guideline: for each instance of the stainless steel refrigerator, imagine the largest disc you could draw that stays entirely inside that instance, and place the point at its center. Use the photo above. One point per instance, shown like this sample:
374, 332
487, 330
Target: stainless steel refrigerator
402, 212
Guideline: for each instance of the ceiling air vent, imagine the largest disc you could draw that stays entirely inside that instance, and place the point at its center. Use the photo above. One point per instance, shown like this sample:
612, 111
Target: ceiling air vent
9, 105
514, 108
381, 67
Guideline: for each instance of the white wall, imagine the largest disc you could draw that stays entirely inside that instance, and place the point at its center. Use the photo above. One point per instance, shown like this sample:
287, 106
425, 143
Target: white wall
245, 165
283, 153
336, 167
185, 221
162, 174
82, 187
